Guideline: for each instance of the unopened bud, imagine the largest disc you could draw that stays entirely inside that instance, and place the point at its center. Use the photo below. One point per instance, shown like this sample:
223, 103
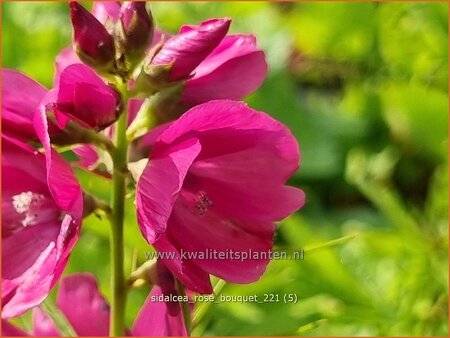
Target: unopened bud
137, 25
93, 44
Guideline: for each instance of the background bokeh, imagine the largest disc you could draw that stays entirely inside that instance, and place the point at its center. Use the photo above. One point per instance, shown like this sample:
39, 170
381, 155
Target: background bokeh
364, 87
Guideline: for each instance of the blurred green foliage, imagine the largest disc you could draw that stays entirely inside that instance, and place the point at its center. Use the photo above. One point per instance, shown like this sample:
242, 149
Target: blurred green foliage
364, 88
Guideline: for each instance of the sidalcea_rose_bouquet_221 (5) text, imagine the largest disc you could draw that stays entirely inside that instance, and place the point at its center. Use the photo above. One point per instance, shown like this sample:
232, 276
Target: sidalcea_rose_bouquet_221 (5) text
158, 115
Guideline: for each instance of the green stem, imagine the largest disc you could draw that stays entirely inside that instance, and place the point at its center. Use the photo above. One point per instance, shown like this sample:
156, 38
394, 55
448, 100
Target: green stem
58, 318
74, 133
202, 308
118, 286
329, 244
185, 307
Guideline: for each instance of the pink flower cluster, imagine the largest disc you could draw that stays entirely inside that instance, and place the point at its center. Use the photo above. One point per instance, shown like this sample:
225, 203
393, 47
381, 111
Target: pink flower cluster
214, 174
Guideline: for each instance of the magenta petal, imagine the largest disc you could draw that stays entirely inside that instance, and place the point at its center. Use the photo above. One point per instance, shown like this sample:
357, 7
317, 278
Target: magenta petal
218, 232
33, 241
9, 330
63, 60
48, 105
20, 98
133, 108
224, 176
232, 46
191, 46
75, 74
234, 79
232, 71
60, 178
88, 156
28, 284
186, 270
98, 112
26, 295
159, 318
106, 10
150, 138
72, 76
83, 96
83, 305
43, 326
159, 186
238, 128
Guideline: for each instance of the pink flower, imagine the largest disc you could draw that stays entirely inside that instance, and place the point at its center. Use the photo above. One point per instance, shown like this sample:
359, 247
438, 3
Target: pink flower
232, 71
191, 46
42, 209
80, 300
93, 43
216, 181
20, 98
85, 98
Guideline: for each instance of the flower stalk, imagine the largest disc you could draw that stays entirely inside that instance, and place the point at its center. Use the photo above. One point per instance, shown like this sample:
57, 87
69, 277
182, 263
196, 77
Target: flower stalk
58, 318
184, 307
118, 284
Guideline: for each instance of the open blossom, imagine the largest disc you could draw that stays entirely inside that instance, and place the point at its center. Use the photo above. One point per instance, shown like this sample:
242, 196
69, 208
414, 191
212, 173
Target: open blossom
187, 49
42, 210
85, 98
85, 308
20, 98
216, 180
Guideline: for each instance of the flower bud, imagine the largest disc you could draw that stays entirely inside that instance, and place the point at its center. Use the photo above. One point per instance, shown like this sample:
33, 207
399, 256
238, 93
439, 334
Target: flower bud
93, 44
137, 25
191, 46
82, 96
